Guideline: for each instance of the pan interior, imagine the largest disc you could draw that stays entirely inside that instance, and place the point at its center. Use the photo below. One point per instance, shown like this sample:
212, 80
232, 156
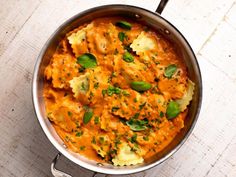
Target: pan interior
143, 16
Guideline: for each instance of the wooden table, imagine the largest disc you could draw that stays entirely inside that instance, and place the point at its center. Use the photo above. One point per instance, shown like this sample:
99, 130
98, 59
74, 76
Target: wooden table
209, 26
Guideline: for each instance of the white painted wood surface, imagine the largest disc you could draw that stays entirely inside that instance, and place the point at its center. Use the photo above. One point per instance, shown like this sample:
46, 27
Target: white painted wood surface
209, 26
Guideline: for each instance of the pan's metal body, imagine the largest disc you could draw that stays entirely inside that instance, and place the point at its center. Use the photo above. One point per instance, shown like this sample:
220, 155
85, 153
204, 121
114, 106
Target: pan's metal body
151, 19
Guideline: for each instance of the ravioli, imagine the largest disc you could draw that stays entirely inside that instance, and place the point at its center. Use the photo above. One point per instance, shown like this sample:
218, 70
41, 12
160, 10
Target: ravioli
80, 85
126, 157
78, 40
143, 43
188, 96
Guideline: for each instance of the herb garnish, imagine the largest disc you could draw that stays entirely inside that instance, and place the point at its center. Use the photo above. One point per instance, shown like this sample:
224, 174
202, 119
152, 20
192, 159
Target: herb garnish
128, 57
122, 36
172, 110
170, 70
137, 125
124, 25
79, 133
87, 60
140, 86
87, 116
96, 120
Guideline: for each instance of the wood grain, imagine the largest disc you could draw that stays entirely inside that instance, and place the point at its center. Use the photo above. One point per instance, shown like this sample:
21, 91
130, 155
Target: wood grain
208, 25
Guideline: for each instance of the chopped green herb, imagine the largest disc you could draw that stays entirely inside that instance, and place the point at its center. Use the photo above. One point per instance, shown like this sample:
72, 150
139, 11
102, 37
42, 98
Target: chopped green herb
133, 138
101, 139
109, 80
142, 105
172, 110
113, 90
125, 93
124, 25
158, 121
91, 95
70, 113
82, 148
113, 74
87, 116
86, 108
77, 124
87, 60
121, 36
104, 92
114, 108
140, 86
116, 52
128, 57
146, 138
79, 133
170, 70
96, 85
137, 125
112, 151
117, 141
96, 120
93, 140
83, 87
136, 115
161, 114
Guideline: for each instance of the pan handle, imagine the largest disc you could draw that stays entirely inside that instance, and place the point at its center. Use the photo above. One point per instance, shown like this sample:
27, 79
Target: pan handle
54, 171
58, 173
161, 6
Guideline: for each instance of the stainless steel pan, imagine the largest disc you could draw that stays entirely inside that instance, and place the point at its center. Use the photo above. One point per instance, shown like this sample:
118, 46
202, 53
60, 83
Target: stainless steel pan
152, 19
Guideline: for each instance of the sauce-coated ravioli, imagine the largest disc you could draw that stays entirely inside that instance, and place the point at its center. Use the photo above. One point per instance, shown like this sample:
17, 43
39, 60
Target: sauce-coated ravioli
116, 91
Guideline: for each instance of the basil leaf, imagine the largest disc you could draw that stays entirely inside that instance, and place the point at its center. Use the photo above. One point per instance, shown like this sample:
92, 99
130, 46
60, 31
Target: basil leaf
121, 36
124, 25
170, 70
137, 125
87, 60
128, 57
140, 86
172, 110
87, 116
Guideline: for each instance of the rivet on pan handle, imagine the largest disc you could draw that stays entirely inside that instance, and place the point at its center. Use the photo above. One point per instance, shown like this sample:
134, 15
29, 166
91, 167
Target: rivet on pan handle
55, 172
161, 6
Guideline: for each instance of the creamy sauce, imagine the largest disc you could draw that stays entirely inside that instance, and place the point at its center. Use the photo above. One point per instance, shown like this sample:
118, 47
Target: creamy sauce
108, 127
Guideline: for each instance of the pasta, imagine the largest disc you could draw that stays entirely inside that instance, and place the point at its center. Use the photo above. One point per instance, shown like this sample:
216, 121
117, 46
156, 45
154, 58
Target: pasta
188, 96
126, 156
142, 43
116, 91
80, 85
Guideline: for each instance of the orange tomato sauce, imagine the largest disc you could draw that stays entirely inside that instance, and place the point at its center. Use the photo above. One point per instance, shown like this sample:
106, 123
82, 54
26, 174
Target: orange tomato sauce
108, 127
